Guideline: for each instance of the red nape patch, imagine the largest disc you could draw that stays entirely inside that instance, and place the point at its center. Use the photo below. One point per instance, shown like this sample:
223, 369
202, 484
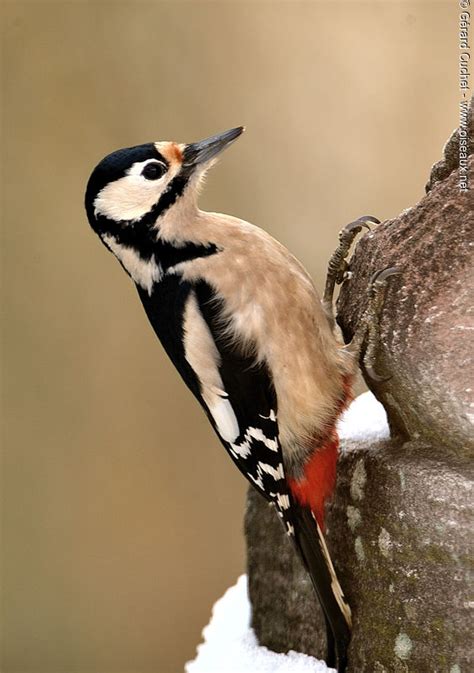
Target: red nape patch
319, 479
175, 152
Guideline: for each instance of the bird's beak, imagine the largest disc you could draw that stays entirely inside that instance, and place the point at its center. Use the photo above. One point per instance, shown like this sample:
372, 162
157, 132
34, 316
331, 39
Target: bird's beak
204, 150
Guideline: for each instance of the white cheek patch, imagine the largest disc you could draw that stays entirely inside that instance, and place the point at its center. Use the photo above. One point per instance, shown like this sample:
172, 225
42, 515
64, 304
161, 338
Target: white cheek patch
144, 272
131, 197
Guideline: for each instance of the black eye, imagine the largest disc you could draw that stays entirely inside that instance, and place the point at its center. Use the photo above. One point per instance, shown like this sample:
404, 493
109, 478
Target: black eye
154, 171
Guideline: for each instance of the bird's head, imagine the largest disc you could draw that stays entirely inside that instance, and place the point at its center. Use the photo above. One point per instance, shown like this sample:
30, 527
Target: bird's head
137, 185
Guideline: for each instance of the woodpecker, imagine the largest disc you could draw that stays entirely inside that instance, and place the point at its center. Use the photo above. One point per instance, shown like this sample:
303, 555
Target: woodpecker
243, 324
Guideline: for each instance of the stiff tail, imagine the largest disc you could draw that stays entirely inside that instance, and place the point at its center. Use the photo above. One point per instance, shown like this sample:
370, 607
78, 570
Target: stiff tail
311, 544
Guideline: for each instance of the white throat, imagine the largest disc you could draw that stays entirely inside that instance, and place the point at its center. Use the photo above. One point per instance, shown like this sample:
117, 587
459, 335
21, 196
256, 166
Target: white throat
176, 225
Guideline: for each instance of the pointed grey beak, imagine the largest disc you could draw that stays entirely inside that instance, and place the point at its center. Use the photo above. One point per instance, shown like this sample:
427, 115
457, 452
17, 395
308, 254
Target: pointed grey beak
204, 150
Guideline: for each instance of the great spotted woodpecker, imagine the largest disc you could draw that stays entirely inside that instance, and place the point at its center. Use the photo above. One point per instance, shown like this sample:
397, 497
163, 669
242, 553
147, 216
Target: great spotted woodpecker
242, 322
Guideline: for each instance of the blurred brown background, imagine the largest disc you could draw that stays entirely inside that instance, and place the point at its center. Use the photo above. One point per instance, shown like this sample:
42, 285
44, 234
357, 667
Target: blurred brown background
122, 514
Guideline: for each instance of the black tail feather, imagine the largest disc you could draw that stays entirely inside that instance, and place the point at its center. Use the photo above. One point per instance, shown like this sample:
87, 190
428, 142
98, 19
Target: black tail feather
330, 645
312, 547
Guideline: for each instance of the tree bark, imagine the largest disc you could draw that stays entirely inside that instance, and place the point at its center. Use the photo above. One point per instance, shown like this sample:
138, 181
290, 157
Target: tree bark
400, 522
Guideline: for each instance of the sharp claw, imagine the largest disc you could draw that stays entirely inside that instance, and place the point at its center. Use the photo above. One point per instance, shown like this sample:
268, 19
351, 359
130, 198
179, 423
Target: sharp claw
381, 275
357, 224
372, 374
371, 315
369, 218
361, 222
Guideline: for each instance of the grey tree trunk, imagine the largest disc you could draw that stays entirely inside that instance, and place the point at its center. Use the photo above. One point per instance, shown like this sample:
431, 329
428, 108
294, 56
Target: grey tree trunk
400, 524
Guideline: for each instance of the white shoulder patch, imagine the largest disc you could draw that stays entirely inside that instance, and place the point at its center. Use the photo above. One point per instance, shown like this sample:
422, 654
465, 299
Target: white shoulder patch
201, 352
225, 419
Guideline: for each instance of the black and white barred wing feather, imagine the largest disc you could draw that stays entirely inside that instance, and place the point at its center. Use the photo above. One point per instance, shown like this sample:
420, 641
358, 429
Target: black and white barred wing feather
238, 397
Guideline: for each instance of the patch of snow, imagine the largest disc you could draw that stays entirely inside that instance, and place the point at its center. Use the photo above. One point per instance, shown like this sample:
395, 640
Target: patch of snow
230, 645
364, 419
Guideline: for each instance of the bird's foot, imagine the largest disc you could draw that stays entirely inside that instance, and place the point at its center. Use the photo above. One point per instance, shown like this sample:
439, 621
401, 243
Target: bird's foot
338, 267
366, 337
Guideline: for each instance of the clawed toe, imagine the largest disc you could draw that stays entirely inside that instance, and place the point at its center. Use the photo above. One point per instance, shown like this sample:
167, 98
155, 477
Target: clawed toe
365, 342
361, 222
379, 277
338, 268
373, 376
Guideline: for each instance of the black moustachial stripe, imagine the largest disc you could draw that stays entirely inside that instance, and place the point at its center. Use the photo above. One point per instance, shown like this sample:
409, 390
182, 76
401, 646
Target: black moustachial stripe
144, 242
168, 255
175, 189
106, 225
